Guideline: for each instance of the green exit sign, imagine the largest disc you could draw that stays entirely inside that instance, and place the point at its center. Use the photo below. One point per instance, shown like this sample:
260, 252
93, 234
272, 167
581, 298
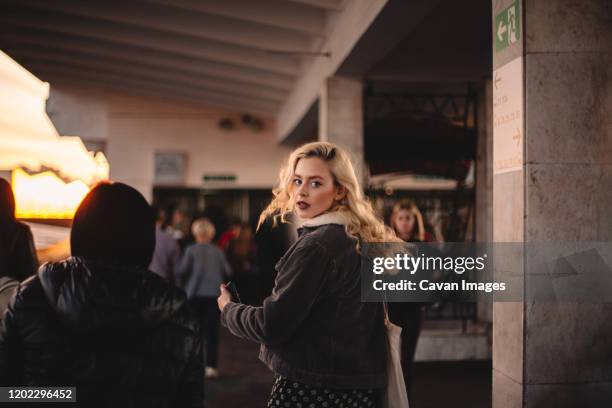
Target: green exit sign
219, 177
507, 29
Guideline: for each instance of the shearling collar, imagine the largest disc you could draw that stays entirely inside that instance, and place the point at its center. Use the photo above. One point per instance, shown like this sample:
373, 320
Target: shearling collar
334, 217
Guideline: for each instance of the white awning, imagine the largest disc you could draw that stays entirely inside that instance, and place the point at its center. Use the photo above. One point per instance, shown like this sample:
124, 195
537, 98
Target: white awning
28, 138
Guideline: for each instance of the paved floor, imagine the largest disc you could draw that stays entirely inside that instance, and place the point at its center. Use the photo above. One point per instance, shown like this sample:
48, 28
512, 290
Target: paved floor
245, 382
456, 384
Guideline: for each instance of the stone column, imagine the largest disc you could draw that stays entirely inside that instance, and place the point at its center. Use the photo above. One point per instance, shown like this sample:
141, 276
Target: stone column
484, 163
484, 178
555, 354
341, 118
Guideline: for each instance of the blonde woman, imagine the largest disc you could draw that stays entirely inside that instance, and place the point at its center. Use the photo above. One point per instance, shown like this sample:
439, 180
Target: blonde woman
407, 221
325, 347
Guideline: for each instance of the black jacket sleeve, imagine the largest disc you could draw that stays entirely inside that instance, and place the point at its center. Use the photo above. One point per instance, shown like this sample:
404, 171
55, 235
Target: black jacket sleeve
191, 389
10, 349
300, 281
26, 261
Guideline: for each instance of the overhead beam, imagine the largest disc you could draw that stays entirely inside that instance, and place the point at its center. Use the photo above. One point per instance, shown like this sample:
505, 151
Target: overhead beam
391, 26
85, 72
292, 16
458, 74
349, 26
332, 5
440, 60
178, 21
89, 64
37, 39
103, 78
375, 28
152, 39
63, 80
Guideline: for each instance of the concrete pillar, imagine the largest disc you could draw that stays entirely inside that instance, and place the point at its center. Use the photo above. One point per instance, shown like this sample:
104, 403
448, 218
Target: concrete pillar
484, 178
556, 188
341, 118
484, 164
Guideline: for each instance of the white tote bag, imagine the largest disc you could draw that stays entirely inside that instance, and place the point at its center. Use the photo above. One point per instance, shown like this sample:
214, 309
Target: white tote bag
396, 396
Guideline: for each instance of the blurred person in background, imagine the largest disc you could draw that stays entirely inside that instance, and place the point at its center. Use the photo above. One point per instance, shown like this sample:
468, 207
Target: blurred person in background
230, 234
17, 253
407, 222
8, 286
202, 269
241, 257
271, 241
180, 228
167, 252
100, 321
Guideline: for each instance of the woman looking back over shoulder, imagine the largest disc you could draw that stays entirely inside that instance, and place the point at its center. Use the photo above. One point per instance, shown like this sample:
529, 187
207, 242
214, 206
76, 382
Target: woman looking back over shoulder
323, 344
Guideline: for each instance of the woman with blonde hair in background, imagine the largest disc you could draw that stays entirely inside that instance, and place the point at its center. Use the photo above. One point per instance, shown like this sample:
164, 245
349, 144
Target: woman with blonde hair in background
325, 346
407, 222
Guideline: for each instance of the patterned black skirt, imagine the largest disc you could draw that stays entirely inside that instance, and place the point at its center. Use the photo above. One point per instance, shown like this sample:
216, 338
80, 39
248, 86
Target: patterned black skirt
292, 394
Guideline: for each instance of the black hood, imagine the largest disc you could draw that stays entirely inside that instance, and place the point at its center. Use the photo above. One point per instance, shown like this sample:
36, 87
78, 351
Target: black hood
92, 296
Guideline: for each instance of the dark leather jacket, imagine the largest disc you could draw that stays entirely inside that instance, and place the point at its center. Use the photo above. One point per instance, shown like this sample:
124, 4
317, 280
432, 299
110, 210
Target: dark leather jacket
8, 287
314, 328
122, 336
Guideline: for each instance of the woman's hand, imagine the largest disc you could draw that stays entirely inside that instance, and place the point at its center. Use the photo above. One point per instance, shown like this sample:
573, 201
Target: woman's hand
224, 298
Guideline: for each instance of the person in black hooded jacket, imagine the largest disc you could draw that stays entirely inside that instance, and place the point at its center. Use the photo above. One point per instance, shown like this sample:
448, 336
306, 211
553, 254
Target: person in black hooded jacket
18, 258
100, 321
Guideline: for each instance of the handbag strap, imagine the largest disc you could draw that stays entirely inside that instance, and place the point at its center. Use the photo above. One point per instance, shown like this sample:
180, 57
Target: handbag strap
386, 312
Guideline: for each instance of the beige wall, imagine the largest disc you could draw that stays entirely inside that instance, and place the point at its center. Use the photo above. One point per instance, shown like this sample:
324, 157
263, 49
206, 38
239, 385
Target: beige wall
135, 127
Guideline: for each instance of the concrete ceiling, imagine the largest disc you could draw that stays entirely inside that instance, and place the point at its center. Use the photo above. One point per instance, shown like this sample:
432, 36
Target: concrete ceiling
268, 57
424, 46
452, 43
237, 54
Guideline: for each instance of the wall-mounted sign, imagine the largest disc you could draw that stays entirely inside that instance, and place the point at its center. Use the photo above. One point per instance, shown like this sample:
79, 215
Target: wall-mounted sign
508, 117
507, 29
208, 178
170, 168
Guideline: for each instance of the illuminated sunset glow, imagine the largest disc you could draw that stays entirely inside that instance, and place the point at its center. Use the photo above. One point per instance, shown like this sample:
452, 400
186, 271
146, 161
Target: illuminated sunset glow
28, 139
45, 195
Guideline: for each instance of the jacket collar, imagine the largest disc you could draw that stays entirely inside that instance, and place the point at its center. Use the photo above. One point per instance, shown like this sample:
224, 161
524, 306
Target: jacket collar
335, 217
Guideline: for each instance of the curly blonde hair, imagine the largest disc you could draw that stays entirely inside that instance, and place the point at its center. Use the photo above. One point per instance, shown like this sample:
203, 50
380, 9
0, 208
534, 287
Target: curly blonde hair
362, 221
